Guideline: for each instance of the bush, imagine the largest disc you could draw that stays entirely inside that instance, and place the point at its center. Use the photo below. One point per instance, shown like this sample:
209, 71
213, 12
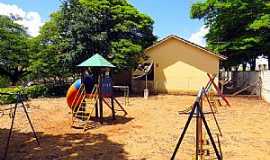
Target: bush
32, 92
4, 82
35, 91
7, 99
57, 91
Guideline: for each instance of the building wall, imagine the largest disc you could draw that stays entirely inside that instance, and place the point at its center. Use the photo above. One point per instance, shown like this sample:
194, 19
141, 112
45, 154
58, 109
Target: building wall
265, 88
180, 67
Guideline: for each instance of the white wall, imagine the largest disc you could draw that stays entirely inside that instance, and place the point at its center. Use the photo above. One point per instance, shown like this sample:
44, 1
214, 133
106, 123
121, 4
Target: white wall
265, 75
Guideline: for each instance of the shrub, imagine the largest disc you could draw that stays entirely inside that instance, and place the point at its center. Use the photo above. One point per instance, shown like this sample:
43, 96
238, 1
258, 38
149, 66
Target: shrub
32, 92
6, 99
4, 82
35, 91
57, 90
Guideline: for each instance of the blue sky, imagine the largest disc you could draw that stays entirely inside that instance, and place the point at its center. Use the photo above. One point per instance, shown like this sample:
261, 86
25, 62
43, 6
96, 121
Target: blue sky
171, 17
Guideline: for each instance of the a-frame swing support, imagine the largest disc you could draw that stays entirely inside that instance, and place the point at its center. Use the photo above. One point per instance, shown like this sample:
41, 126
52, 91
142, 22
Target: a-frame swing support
212, 81
18, 100
199, 115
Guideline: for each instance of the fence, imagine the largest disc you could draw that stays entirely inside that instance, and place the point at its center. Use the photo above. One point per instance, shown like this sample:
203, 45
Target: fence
248, 82
242, 82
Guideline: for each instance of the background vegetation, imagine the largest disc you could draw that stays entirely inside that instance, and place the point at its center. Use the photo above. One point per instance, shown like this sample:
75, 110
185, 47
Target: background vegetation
238, 29
79, 29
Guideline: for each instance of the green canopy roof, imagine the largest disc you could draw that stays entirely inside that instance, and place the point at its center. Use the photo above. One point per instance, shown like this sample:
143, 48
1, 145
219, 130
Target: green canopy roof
96, 61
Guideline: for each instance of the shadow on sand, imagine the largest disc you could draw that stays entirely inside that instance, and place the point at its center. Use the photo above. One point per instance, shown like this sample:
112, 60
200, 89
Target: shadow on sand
94, 122
68, 146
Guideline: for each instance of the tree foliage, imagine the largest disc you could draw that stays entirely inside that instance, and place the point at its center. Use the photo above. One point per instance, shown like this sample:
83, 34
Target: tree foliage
79, 29
14, 49
239, 29
47, 52
107, 27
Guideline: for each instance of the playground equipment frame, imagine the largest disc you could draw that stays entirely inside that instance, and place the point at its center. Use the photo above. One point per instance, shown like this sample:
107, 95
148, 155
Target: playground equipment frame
19, 99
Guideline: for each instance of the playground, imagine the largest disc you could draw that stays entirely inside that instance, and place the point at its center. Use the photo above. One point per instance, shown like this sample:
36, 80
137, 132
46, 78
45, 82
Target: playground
134, 80
149, 131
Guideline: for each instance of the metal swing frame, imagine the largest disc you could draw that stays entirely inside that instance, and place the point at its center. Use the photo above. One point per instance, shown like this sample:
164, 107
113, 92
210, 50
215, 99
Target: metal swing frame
19, 100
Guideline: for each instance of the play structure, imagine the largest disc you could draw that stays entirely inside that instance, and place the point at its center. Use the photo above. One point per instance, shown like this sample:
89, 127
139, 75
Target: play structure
12, 113
213, 99
196, 110
88, 95
72, 92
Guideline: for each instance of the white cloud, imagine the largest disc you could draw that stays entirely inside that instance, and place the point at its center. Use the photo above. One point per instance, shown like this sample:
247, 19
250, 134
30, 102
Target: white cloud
30, 20
198, 37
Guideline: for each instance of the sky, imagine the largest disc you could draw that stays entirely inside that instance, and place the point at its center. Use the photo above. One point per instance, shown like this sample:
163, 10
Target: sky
171, 17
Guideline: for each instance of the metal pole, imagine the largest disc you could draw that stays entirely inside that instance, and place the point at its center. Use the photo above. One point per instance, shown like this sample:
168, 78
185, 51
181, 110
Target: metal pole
184, 131
197, 134
100, 100
210, 135
146, 79
112, 103
215, 118
29, 120
11, 127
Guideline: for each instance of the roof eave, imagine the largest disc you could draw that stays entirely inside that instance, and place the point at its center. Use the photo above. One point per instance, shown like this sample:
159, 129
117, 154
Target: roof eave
187, 42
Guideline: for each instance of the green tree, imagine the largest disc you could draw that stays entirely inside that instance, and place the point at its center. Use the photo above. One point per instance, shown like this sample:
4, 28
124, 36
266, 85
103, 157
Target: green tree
107, 27
14, 46
47, 58
233, 28
261, 26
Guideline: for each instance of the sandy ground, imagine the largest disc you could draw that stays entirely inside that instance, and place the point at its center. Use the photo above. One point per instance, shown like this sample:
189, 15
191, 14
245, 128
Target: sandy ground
149, 131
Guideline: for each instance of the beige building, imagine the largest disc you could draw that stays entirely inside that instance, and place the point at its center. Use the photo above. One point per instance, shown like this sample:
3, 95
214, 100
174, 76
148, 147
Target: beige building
181, 66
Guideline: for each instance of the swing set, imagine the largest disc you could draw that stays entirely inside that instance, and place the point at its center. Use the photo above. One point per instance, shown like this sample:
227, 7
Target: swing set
196, 110
12, 115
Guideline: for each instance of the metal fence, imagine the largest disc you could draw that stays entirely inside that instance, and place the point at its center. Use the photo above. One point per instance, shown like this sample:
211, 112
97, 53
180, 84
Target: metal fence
241, 82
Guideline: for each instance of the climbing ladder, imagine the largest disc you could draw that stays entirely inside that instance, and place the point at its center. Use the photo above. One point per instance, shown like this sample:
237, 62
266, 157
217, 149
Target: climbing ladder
83, 106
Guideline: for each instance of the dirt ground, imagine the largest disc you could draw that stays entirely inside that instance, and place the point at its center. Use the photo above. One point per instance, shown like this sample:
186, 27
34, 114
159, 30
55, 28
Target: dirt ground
149, 131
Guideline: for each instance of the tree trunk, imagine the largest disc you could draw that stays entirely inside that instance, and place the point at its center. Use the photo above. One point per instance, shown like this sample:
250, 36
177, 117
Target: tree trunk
227, 68
14, 80
253, 64
236, 68
244, 66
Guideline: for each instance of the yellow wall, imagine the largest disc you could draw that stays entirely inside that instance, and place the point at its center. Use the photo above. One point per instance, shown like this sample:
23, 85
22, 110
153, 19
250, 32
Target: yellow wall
180, 67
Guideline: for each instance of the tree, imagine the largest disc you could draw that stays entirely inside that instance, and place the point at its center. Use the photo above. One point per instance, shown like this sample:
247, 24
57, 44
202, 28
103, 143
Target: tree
47, 58
233, 26
107, 27
14, 45
261, 26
